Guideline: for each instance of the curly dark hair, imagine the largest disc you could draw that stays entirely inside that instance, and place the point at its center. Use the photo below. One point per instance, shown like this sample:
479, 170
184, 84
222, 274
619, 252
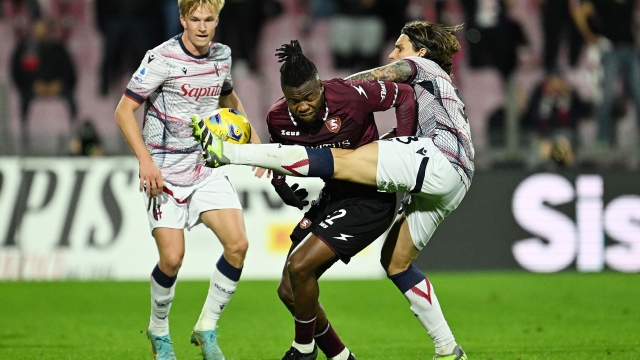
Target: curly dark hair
296, 68
438, 39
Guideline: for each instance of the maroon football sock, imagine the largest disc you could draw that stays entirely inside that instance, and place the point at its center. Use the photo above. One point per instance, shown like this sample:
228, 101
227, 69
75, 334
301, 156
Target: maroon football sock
305, 329
329, 342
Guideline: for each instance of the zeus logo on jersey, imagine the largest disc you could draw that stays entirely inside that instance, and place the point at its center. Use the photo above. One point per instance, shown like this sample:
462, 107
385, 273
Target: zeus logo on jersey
198, 92
289, 133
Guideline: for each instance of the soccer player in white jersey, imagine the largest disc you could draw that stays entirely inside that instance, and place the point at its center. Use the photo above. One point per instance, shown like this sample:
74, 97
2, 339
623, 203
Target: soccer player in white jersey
434, 167
186, 74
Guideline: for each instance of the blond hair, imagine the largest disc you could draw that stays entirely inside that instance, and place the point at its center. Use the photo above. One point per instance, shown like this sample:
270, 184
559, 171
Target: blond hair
188, 6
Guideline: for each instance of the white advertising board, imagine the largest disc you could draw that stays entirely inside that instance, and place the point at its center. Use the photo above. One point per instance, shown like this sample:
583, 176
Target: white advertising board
83, 218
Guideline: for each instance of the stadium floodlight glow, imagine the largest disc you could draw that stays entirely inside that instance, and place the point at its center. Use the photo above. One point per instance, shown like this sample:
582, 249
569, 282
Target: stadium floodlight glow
558, 241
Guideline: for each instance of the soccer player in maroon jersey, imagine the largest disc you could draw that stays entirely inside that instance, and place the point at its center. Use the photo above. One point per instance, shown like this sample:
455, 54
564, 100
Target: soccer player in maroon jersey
435, 166
346, 217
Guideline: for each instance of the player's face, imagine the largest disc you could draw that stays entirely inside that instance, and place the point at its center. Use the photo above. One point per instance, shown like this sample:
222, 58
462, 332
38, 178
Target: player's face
199, 28
306, 100
404, 49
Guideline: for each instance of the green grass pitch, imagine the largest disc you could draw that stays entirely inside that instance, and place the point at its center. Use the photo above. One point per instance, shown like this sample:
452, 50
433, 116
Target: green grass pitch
501, 315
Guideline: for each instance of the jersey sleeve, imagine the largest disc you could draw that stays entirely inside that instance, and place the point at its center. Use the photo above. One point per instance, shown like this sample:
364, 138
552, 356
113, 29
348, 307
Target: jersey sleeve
151, 74
227, 84
383, 95
422, 69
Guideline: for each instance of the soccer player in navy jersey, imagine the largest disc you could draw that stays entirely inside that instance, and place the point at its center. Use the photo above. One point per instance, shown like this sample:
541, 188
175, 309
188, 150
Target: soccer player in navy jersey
435, 166
346, 217
186, 74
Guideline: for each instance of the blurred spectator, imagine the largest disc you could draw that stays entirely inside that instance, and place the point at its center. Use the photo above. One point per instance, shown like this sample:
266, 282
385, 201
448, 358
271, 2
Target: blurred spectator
65, 14
171, 12
42, 67
128, 27
552, 114
394, 15
240, 27
21, 13
86, 141
492, 37
309, 11
358, 34
559, 28
610, 26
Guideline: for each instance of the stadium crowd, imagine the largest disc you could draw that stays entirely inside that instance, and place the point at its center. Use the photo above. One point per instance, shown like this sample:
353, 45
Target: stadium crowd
69, 59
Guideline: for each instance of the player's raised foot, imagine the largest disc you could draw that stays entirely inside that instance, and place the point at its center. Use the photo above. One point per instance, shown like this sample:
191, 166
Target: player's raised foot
208, 342
295, 354
351, 357
211, 144
456, 354
161, 347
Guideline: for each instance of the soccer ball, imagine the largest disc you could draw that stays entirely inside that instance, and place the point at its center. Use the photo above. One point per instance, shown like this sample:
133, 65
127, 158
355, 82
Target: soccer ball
229, 125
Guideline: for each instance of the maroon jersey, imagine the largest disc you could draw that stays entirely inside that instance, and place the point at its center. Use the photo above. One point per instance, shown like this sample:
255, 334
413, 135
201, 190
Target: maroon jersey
347, 119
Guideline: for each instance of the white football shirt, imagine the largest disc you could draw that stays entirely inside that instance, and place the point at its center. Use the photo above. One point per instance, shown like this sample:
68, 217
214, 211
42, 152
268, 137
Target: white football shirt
441, 115
175, 84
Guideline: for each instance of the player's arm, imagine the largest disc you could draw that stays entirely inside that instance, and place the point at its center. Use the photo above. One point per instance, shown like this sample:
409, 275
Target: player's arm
380, 95
398, 71
150, 175
290, 195
233, 101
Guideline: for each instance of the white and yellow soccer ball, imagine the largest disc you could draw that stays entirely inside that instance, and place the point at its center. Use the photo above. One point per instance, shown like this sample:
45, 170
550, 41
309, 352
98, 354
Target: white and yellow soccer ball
230, 125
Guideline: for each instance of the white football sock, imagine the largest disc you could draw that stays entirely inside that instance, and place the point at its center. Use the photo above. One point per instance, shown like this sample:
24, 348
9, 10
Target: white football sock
161, 299
280, 158
344, 355
220, 290
425, 305
304, 348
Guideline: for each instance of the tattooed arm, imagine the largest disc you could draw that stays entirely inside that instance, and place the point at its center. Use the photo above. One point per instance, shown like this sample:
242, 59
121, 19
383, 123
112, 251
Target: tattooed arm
399, 71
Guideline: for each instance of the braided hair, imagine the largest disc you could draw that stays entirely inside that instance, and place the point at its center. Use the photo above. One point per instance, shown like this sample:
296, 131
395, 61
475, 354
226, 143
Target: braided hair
296, 68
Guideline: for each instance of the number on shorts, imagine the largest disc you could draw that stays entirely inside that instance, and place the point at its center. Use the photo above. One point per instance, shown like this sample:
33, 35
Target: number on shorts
406, 140
336, 215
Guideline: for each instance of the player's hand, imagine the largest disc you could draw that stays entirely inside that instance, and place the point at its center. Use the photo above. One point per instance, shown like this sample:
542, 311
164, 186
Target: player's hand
292, 196
259, 172
151, 180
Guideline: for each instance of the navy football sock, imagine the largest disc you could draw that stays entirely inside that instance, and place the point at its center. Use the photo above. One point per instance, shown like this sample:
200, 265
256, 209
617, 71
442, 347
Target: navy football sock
320, 162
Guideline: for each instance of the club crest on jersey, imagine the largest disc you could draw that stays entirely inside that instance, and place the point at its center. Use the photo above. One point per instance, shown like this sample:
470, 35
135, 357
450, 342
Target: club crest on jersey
305, 223
333, 124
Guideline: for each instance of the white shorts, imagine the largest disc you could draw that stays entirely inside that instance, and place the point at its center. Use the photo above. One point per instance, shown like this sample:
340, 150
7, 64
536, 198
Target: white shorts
179, 207
416, 166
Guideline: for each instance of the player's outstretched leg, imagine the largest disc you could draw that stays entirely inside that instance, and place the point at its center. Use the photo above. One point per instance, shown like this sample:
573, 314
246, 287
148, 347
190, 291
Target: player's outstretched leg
292, 160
